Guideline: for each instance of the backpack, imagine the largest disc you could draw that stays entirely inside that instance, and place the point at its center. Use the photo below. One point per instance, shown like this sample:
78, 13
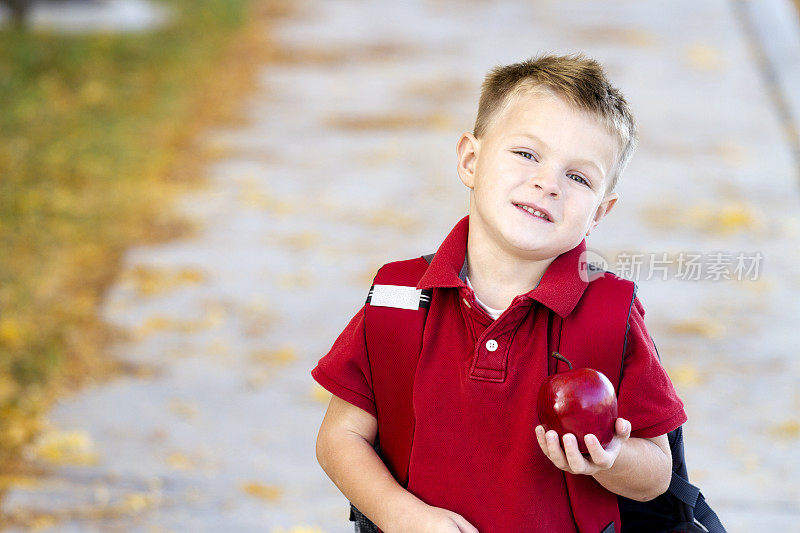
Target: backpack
682, 509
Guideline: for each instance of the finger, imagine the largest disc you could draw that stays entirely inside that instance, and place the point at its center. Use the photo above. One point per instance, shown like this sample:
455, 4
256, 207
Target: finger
600, 457
576, 461
463, 525
540, 438
554, 451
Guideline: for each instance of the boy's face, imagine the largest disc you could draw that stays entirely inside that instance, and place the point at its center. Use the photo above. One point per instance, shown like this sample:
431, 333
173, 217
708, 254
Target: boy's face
538, 151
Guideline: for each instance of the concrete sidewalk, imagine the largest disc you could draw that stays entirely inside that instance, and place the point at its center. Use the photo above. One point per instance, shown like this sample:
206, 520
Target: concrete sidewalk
351, 147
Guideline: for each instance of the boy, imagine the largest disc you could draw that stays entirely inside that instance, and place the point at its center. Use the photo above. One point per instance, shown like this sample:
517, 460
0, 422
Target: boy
550, 141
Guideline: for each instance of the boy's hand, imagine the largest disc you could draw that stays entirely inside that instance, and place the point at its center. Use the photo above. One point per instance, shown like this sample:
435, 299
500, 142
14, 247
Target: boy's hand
436, 520
570, 458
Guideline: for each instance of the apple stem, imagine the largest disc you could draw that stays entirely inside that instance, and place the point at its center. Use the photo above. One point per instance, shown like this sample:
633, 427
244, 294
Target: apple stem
561, 358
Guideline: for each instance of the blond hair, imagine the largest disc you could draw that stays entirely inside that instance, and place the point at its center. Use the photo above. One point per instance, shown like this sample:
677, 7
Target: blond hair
578, 80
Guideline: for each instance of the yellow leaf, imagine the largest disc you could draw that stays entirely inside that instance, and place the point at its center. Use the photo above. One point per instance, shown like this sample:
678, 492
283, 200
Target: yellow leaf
704, 57
151, 280
11, 333
137, 502
304, 240
619, 35
722, 219
180, 461
10, 481
155, 324
684, 375
704, 327
732, 153
279, 357
320, 394
262, 491
66, 447
725, 219
393, 218
94, 92
751, 463
8, 388
42, 522
183, 409
295, 280
788, 429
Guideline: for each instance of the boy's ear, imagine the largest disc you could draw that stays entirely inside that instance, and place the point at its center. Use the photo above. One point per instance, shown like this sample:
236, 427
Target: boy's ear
602, 210
467, 151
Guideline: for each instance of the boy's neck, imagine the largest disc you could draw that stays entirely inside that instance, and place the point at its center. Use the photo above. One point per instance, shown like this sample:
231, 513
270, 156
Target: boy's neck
498, 277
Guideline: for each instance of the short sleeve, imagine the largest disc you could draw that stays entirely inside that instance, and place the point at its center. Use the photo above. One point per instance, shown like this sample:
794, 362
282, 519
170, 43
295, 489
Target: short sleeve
344, 370
646, 397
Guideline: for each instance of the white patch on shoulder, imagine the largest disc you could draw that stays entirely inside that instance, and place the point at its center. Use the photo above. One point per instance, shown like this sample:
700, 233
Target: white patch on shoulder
399, 296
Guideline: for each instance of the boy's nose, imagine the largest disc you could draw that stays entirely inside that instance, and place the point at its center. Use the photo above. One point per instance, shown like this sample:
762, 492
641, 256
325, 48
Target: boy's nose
547, 181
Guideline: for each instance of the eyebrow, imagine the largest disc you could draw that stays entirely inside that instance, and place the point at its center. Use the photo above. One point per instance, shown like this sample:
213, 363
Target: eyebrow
536, 139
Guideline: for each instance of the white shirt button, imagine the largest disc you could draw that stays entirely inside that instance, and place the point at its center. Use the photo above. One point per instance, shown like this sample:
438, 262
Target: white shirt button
491, 345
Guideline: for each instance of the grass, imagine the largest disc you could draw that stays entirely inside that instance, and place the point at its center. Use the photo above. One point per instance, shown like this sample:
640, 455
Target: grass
95, 141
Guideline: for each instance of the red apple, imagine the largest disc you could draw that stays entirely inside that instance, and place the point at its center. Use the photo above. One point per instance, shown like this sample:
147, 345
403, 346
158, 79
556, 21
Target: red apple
580, 402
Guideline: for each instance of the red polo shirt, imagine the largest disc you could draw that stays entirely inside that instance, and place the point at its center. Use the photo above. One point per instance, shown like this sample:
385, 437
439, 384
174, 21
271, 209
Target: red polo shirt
474, 450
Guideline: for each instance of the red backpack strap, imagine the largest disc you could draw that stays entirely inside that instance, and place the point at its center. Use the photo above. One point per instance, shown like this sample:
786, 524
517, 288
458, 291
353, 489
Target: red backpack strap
394, 318
594, 336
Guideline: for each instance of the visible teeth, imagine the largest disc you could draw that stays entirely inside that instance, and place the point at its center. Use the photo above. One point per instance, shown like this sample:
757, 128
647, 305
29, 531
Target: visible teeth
534, 212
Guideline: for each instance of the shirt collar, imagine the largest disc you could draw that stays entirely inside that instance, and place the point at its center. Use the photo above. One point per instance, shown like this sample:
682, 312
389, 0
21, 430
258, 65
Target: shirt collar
560, 288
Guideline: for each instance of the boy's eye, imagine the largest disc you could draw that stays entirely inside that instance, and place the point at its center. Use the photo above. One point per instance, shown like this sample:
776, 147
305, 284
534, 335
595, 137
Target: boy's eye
579, 178
526, 155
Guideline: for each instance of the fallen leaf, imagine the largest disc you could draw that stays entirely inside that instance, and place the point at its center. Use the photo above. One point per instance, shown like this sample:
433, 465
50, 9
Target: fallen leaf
320, 394
732, 153
10, 481
621, 35
262, 491
137, 502
279, 357
788, 429
157, 324
66, 448
393, 218
42, 522
704, 327
396, 121
11, 333
304, 240
721, 219
751, 463
152, 280
295, 280
684, 375
702, 56
180, 461
183, 409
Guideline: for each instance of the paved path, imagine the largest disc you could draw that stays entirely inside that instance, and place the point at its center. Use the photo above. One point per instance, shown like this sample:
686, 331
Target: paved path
350, 148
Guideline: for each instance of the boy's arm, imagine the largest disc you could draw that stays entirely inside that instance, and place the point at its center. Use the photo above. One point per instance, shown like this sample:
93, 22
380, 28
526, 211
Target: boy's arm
345, 453
637, 468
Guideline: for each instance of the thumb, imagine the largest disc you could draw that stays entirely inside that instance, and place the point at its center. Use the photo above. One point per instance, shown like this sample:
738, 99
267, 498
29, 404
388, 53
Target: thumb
623, 428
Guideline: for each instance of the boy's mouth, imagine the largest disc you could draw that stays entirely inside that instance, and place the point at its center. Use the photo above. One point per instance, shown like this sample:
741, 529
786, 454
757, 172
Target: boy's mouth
540, 213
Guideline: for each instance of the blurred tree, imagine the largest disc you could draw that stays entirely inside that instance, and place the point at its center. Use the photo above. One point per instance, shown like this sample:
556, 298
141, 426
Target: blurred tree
19, 10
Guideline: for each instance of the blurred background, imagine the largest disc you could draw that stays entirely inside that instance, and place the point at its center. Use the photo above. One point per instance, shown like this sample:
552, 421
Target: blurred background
196, 194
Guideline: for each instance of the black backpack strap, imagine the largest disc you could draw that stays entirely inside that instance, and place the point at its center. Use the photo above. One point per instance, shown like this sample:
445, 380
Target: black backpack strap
691, 496
706, 516
683, 490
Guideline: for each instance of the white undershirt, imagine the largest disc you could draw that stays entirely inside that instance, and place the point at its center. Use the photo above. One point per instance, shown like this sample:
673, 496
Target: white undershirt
494, 313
